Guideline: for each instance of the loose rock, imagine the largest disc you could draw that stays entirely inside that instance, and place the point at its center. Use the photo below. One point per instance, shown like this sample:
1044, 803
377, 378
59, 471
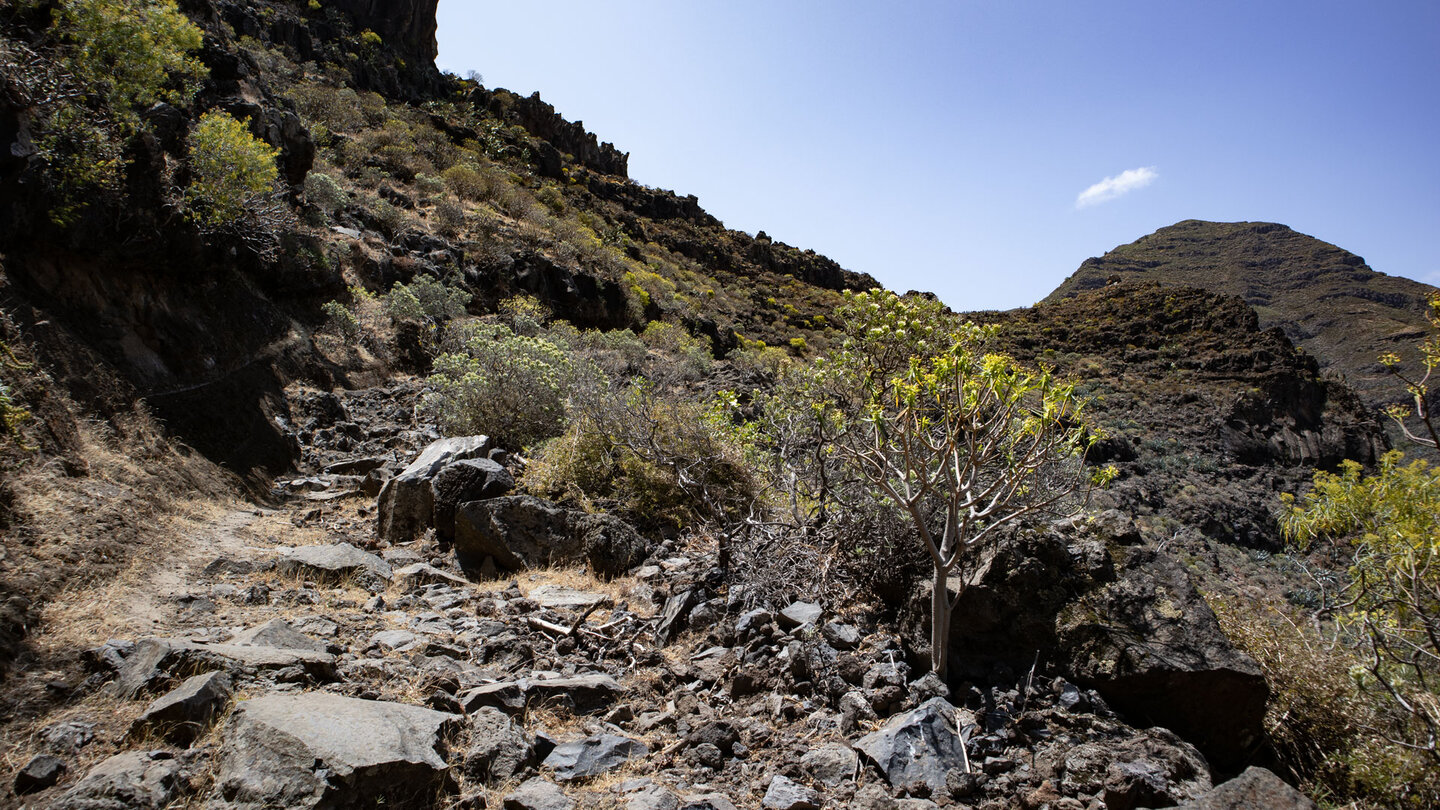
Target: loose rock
334, 563
134, 780
593, 756
916, 749
186, 711
39, 773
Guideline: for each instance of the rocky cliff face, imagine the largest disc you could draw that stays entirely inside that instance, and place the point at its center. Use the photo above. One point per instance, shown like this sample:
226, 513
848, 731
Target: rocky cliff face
1324, 298
408, 25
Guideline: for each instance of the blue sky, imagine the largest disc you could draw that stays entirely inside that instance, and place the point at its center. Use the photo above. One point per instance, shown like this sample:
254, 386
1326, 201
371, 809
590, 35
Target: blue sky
945, 146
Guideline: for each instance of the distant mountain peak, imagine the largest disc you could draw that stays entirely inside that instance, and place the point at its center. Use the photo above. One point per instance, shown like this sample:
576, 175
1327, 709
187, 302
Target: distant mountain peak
1325, 298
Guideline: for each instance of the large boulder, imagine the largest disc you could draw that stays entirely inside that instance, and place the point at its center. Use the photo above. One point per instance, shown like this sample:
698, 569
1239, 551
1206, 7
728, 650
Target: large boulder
318, 750
1255, 789
1152, 647
522, 531
916, 750
407, 501
1152, 768
611, 546
466, 480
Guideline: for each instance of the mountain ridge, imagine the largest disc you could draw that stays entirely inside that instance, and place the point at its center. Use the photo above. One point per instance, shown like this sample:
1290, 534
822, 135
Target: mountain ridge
1325, 298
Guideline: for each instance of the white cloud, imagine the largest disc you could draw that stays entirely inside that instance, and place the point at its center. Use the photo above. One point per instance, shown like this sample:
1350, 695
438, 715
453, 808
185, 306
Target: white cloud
1112, 187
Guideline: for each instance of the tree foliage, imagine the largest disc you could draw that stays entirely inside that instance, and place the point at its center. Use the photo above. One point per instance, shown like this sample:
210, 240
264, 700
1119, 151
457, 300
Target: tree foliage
962, 440
1389, 608
1417, 384
231, 171
133, 52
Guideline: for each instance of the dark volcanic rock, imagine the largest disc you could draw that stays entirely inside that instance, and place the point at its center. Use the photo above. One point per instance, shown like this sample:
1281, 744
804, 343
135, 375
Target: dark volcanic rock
915, 750
517, 531
39, 773
1152, 647
134, 780
593, 756
408, 26
1153, 768
538, 794
1255, 789
331, 564
467, 480
185, 712
499, 748
407, 501
321, 750
520, 531
157, 661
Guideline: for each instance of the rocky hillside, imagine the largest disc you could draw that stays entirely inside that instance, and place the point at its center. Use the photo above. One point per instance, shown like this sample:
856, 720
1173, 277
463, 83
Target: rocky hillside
1326, 299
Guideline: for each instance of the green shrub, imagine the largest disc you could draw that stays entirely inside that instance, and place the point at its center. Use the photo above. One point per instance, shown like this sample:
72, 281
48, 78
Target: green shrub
426, 298
507, 386
429, 185
467, 181
134, 52
449, 218
688, 357
342, 320
337, 109
390, 217
324, 193
230, 170
667, 463
524, 314
621, 353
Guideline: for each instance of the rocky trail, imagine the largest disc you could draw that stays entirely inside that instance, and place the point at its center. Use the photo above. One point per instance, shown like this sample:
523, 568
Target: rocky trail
398, 630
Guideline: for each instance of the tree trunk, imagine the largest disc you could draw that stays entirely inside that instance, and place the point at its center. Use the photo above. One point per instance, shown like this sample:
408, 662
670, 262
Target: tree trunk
940, 624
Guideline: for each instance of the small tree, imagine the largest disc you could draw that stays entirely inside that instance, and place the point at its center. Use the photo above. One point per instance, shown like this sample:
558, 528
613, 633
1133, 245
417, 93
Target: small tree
963, 441
232, 172
1389, 607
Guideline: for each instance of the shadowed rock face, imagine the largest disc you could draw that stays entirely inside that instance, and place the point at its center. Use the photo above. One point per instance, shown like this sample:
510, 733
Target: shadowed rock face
1151, 645
408, 26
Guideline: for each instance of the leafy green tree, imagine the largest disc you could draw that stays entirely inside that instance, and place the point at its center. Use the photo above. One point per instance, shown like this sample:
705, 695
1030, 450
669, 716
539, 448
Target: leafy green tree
231, 171
1389, 607
963, 441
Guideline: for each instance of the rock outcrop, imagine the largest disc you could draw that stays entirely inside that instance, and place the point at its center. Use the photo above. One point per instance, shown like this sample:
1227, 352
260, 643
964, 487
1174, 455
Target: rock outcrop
320, 750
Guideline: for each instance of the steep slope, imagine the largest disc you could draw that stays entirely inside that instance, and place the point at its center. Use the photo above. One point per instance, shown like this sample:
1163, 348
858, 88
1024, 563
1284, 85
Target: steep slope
1326, 299
1207, 416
